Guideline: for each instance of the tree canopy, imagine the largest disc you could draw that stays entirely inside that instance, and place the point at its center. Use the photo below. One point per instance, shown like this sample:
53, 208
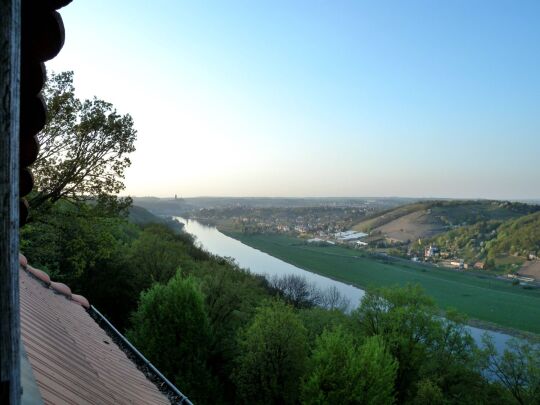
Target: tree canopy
273, 356
172, 327
84, 146
343, 372
224, 335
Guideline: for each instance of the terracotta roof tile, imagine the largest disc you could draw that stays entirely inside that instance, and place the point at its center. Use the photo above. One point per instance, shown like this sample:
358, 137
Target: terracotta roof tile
80, 300
22, 261
73, 359
39, 274
61, 288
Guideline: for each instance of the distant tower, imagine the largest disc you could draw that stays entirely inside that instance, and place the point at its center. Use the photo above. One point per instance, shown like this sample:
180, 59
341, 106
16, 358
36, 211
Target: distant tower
175, 197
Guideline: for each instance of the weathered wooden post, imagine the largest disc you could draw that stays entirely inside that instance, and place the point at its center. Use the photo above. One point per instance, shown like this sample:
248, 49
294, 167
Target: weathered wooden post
10, 19
31, 32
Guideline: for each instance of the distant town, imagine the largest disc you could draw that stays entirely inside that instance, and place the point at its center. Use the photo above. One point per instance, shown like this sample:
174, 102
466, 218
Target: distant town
454, 235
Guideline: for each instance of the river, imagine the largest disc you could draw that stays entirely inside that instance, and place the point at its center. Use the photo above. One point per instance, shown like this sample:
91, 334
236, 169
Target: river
262, 263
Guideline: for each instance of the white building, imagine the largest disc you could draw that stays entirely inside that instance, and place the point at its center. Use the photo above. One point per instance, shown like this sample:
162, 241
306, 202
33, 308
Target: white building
349, 236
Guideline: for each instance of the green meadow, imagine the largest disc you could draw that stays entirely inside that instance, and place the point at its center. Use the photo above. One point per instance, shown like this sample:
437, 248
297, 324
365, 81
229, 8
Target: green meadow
479, 297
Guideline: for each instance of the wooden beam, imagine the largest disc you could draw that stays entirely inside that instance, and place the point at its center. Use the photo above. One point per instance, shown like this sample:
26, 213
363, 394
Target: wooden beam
10, 18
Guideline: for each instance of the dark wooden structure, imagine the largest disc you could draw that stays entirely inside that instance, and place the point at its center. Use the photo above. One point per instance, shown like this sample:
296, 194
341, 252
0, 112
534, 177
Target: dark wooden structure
9, 204
31, 32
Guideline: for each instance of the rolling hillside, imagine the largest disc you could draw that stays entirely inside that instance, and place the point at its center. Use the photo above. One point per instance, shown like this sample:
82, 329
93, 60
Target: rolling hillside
164, 206
141, 216
374, 221
431, 218
520, 237
503, 244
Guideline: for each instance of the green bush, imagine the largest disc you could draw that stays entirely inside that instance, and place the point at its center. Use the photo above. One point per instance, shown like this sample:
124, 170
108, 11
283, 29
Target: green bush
273, 355
171, 328
342, 372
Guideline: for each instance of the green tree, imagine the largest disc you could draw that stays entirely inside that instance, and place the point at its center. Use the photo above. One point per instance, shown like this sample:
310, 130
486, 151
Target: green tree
74, 240
232, 296
84, 147
404, 318
451, 364
425, 345
172, 329
157, 254
332, 376
341, 372
273, 355
377, 369
428, 393
517, 369
317, 319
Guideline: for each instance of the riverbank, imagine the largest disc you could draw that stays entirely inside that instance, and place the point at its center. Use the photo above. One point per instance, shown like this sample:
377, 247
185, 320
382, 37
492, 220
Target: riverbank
490, 303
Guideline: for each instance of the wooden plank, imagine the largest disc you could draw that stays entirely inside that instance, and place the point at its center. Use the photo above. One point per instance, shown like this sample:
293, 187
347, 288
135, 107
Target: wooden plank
9, 201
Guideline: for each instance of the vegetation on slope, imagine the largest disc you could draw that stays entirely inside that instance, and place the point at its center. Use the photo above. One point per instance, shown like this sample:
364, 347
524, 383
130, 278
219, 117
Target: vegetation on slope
467, 242
503, 245
517, 237
141, 216
224, 335
446, 214
499, 234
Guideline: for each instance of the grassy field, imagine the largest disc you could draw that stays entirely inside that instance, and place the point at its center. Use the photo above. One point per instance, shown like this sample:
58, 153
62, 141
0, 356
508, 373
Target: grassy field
481, 298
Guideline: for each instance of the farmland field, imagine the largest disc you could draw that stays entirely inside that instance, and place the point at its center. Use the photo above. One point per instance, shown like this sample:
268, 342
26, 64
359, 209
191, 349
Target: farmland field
481, 298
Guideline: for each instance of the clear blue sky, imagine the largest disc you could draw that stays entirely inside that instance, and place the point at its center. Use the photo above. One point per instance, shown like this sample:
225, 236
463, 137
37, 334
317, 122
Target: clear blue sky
318, 98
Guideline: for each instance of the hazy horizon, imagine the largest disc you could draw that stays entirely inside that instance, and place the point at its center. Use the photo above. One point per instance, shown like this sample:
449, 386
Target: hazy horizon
329, 197
313, 98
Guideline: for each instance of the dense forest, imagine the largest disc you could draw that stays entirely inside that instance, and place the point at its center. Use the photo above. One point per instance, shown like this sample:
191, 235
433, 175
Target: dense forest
224, 335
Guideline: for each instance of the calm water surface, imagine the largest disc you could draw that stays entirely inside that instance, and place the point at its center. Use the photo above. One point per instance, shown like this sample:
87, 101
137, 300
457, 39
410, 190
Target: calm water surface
262, 263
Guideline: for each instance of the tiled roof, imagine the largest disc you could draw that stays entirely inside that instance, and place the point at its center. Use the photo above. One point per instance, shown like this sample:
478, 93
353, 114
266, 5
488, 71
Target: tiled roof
73, 359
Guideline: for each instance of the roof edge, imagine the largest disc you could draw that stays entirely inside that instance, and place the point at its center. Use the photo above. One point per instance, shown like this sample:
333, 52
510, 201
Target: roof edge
167, 388
143, 364
45, 279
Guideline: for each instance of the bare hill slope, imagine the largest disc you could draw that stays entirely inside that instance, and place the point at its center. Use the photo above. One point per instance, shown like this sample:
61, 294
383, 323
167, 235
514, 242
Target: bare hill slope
428, 219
